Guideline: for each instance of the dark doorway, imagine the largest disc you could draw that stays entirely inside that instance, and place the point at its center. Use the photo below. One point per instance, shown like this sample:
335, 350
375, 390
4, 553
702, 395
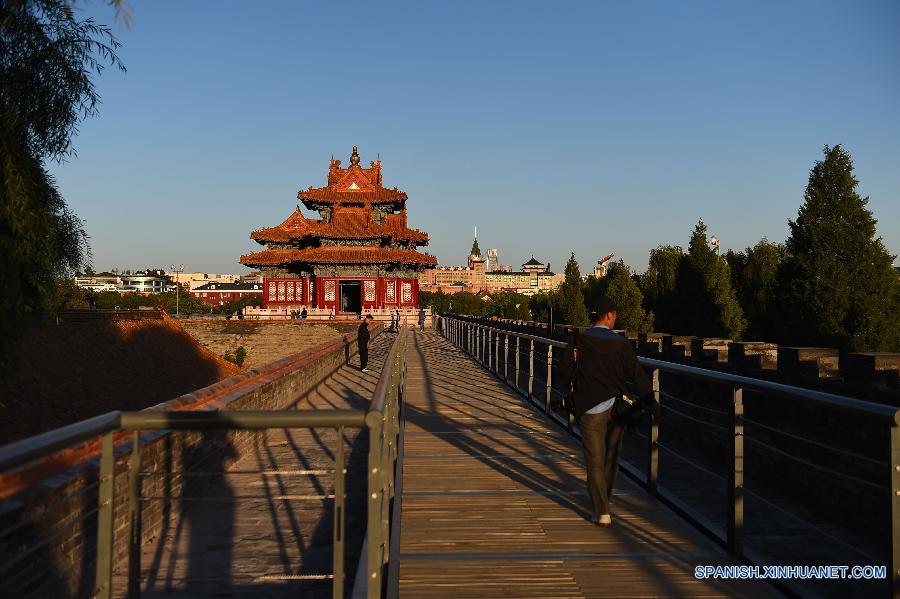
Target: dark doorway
351, 300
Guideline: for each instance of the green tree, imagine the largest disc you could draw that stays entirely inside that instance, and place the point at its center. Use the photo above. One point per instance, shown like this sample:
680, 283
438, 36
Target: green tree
508, 304
838, 287
47, 60
619, 285
539, 306
658, 285
707, 305
468, 303
568, 300
754, 276
438, 301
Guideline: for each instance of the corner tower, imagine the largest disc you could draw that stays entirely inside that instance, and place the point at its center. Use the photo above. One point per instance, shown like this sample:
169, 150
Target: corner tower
358, 256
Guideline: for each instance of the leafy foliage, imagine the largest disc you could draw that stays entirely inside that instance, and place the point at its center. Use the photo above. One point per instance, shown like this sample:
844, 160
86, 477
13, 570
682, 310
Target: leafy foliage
837, 285
47, 60
510, 305
568, 299
658, 285
706, 302
238, 357
438, 301
754, 276
620, 287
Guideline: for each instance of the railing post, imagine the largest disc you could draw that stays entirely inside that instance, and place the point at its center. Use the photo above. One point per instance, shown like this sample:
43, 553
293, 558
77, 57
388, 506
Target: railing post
134, 518
517, 362
506, 357
373, 517
653, 440
894, 574
549, 379
736, 476
105, 518
497, 352
337, 589
478, 333
531, 369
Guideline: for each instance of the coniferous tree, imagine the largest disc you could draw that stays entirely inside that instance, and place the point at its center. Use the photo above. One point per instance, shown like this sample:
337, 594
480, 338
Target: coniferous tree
754, 275
837, 285
706, 301
621, 288
568, 306
658, 285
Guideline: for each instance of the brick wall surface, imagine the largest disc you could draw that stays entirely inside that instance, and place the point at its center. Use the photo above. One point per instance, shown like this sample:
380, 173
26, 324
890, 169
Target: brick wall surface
48, 531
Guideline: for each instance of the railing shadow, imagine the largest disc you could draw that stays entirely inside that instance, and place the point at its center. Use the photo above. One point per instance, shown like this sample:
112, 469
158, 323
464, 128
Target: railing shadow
565, 489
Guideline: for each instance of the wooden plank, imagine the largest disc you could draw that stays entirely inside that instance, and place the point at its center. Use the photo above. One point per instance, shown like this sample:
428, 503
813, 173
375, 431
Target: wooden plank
495, 505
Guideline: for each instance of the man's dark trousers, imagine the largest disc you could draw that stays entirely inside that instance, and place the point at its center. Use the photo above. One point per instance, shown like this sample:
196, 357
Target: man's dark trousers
601, 438
363, 355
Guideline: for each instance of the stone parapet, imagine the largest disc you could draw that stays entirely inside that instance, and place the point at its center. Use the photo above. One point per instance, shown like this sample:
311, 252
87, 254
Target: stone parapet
752, 355
808, 364
52, 519
709, 352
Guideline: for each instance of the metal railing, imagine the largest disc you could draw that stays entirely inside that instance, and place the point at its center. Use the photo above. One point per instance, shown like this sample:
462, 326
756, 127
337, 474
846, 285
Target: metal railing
381, 419
532, 366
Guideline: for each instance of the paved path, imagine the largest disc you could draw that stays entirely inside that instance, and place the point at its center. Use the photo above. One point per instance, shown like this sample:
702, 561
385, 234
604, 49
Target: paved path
494, 502
231, 545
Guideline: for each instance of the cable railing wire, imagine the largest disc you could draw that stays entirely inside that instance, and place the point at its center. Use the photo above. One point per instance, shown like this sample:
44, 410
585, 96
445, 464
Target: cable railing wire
698, 420
666, 395
816, 443
817, 466
812, 526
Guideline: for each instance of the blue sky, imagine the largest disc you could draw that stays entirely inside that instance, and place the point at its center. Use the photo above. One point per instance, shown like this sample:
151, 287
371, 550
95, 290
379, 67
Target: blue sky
554, 127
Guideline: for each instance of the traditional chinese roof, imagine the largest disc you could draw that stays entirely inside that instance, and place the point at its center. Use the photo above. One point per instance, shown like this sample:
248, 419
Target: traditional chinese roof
336, 254
352, 185
352, 231
533, 262
346, 223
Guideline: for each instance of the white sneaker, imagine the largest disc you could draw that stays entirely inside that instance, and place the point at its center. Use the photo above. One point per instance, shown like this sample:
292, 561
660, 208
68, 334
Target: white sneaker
365, 370
604, 520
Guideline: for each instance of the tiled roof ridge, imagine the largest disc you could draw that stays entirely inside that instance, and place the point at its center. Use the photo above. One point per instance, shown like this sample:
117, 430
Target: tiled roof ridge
339, 255
346, 223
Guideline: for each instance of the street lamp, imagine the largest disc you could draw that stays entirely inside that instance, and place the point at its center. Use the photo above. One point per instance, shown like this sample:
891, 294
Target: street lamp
715, 241
176, 272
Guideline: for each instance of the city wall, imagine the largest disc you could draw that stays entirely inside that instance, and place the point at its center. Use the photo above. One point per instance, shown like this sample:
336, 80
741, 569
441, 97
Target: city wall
48, 521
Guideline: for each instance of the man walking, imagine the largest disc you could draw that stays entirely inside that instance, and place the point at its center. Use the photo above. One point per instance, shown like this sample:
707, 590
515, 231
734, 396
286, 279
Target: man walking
605, 362
362, 342
421, 319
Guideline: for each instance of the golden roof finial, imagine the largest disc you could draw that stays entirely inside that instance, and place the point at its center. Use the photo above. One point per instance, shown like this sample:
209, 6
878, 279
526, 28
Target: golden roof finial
354, 158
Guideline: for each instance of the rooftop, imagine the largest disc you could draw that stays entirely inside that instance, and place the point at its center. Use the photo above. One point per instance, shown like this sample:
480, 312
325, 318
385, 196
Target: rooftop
352, 185
333, 254
346, 223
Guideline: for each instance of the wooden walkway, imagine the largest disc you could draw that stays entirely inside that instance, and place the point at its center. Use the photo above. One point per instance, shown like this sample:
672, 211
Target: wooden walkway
494, 502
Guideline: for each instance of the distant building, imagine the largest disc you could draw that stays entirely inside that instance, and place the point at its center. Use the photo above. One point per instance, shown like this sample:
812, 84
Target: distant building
145, 283
197, 279
219, 294
535, 276
101, 282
